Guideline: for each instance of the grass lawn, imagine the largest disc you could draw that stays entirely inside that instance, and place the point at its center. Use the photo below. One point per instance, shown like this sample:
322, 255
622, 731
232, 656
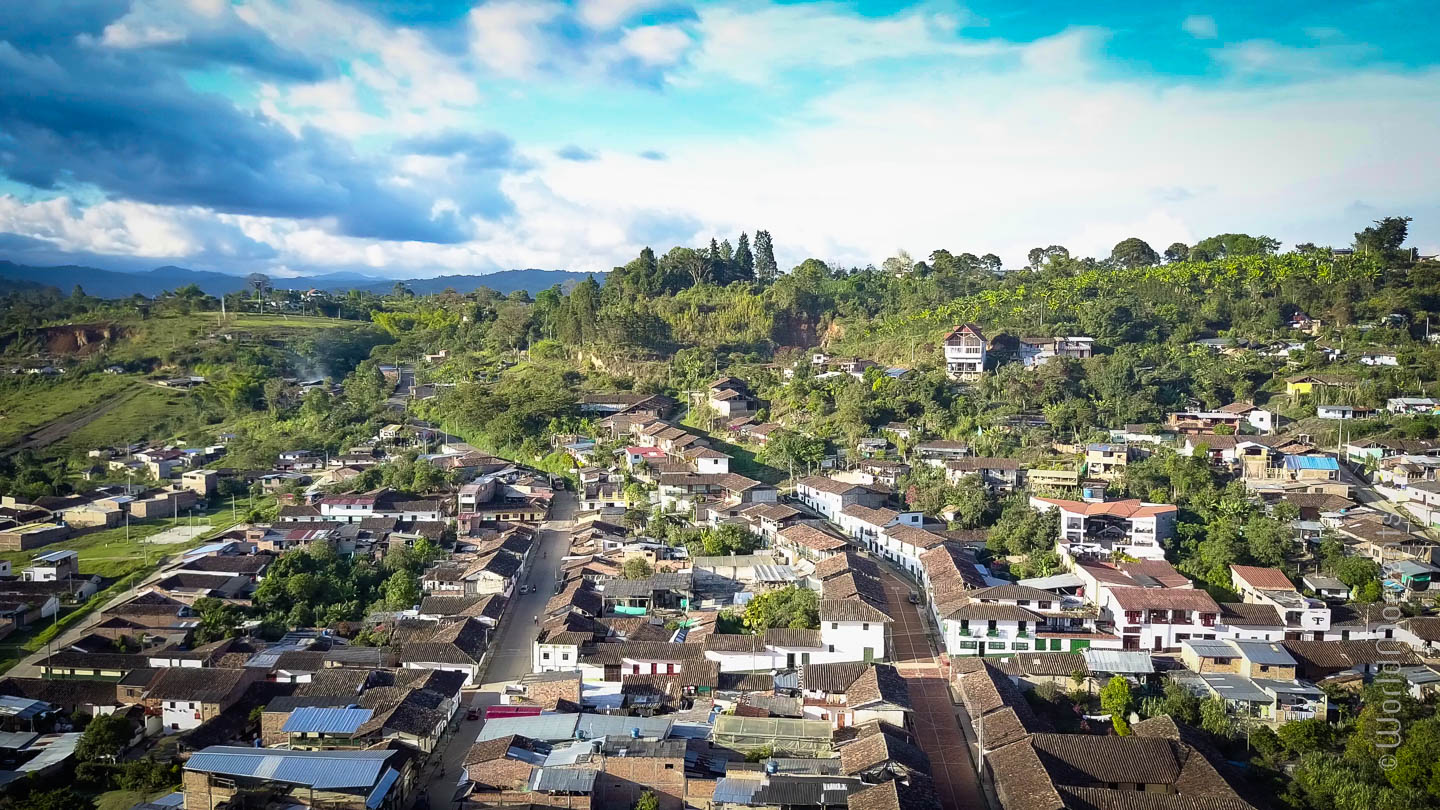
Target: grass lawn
120, 561
140, 415
125, 799
25, 407
157, 336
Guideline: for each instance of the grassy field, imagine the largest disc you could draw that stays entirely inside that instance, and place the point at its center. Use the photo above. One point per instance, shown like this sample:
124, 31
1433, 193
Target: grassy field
119, 560
25, 407
159, 335
108, 553
135, 418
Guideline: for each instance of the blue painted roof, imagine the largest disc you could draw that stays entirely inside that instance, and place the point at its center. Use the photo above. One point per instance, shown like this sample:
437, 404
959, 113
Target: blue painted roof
323, 770
1311, 463
318, 719
377, 796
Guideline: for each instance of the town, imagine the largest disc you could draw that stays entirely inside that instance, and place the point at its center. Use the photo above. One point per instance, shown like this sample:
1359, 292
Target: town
708, 599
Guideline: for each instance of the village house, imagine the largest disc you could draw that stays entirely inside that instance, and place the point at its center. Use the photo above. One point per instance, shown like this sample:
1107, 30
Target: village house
1095, 530
1158, 619
187, 697
965, 352
1000, 474
829, 496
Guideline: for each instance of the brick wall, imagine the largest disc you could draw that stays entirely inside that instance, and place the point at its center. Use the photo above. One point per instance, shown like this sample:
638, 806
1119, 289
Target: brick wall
199, 794
270, 725
625, 778
549, 694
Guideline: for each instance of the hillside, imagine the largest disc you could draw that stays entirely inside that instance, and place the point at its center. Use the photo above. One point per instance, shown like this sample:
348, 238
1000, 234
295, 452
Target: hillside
113, 284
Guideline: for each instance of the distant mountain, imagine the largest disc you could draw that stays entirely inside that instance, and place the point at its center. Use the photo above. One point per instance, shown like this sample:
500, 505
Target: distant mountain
113, 284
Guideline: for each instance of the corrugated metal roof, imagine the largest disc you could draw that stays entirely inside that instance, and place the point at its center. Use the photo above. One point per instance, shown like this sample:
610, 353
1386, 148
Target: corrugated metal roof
323, 770
547, 727
1054, 581
774, 573
377, 796
318, 720
730, 790
1302, 688
565, 780
606, 725
1235, 687
1311, 463
1265, 652
1208, 648
1127, 662
22, 708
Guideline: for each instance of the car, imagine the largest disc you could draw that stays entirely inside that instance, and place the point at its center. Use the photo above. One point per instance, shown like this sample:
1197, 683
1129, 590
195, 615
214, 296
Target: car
914, 598
524, 589
473, 714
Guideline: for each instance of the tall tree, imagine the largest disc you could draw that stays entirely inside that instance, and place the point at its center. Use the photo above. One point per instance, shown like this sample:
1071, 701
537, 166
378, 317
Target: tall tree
1384, 238
1134, 252
744, 259
765, 267
718, 272
1177, 252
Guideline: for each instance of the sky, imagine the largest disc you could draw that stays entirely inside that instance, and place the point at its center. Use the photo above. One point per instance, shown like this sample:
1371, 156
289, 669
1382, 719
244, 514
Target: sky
404, 138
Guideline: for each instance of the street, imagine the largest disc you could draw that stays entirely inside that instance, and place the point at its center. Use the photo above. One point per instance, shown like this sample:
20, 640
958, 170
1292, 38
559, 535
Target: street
511, 653
936, 724
511, 649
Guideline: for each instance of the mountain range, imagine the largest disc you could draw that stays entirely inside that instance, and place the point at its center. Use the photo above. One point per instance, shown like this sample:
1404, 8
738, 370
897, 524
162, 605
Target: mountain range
115, 284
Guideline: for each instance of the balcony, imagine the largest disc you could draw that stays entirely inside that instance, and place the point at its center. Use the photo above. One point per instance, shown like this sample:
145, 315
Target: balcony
992, 633
1022, 634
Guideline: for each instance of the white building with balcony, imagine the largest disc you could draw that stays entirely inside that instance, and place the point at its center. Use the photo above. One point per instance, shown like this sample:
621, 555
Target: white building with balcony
965, 352
1159, 619
1096, 530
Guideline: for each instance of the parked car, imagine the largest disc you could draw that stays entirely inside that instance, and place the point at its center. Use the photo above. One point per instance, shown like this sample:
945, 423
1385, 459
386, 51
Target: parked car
914, 598
473, 714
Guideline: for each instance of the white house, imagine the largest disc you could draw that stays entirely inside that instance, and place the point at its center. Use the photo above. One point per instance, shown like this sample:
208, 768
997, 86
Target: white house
1411, 405
52, 566
829, 496
965, 352
853, 629
1095, 530
1335, 411
1159, 619
866, 524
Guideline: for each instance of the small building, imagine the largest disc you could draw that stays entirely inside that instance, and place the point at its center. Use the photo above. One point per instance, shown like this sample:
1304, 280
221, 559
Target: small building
200, 482
339, 780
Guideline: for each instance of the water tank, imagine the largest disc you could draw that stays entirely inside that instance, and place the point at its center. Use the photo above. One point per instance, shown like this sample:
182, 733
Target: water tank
635, 733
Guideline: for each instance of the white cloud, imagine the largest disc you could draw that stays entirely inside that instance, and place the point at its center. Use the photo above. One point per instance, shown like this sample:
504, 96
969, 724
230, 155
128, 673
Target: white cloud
1201, 26
753, 43
656, 45
605, 14
508, 36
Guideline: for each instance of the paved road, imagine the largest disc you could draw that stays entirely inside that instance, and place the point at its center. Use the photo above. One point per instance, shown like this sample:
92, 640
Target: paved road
512, 648
937, 726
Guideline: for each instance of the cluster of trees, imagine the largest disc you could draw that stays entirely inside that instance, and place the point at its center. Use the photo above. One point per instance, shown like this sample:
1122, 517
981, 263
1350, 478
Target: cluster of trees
791, 606
317, 586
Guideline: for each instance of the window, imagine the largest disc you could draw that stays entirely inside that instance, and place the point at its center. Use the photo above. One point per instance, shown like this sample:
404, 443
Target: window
1020, 645
997, 645
669, 766
865, 626
1054, 644
1023, 602
834, 625
1043, 604
832, 648
564, 656
544, 656
969, 645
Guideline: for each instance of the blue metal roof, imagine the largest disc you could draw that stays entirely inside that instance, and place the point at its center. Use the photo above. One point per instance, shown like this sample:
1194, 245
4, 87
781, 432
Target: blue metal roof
323, 770
377, 796
1311, 463
54, 556
320, 720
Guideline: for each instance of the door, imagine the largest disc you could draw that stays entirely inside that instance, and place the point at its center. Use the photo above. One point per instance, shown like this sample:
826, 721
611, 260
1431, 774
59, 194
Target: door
1159, 645
869, 654
790, 660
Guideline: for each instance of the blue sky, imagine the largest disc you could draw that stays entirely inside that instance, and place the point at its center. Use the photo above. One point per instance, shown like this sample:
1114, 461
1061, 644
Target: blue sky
400, 138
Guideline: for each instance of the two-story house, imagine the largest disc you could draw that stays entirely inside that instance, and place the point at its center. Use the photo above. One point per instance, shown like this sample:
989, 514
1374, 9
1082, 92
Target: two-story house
1159, 619
1096, 530
866, 525
829, 497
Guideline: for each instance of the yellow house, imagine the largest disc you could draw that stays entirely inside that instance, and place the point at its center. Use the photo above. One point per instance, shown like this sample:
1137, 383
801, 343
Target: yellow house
1306, 383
